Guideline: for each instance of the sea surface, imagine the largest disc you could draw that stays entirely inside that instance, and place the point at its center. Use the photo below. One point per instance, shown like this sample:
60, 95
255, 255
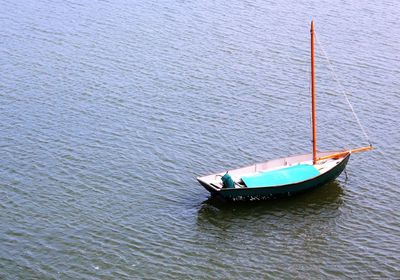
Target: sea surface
109, 110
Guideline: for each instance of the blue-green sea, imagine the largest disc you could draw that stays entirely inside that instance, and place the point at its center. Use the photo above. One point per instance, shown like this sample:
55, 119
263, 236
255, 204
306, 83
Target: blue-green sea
109, 110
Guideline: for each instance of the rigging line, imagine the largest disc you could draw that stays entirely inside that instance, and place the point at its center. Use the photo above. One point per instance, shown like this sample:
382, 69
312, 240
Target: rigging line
342, 90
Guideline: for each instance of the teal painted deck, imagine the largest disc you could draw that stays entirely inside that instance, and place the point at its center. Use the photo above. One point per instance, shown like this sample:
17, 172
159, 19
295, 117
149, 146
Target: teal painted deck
284, 176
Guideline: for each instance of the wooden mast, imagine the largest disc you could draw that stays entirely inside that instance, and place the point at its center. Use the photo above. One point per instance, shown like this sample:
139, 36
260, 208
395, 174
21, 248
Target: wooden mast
314, 114
313, 110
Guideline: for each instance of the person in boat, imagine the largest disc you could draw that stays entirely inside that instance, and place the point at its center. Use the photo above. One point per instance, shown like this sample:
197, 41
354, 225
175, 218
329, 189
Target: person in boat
227, 181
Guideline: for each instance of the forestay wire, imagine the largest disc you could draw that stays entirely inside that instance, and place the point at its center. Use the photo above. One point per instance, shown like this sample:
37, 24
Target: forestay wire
342, 90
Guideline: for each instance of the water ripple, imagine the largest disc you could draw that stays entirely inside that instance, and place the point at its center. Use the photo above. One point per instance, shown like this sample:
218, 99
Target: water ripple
110, 111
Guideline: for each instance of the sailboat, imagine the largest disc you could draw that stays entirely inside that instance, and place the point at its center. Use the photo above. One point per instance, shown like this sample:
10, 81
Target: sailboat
283, 176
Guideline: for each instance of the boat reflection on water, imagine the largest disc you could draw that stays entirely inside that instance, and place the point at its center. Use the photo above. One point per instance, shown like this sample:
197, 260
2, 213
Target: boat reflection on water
324, 201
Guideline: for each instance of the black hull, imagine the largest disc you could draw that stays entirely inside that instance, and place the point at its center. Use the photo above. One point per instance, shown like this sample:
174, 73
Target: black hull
278, 191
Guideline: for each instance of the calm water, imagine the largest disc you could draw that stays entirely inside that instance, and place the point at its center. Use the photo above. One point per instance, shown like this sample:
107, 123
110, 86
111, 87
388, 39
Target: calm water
110, 109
